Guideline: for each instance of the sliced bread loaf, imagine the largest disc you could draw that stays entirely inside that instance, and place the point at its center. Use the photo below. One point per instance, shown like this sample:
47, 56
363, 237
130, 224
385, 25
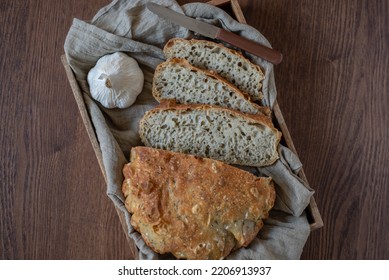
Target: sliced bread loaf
177, 79
227, 63
213, 132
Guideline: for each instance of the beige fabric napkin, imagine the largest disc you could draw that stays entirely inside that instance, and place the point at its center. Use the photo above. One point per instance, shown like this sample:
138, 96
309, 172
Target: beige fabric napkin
129, 27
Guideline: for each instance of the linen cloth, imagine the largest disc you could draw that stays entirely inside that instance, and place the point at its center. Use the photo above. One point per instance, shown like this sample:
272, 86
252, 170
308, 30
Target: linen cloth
128, 26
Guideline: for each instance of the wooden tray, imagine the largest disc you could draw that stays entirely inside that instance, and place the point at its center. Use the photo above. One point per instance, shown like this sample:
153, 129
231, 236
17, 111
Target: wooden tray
233, 6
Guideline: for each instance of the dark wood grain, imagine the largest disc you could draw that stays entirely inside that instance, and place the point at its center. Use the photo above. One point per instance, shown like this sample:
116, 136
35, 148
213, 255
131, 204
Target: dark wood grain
333, 89
53, 202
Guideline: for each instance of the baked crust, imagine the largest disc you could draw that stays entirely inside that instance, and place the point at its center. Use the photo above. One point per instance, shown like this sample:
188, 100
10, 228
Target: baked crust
178, 109
212, 75
190, 42
194, 208
170, 46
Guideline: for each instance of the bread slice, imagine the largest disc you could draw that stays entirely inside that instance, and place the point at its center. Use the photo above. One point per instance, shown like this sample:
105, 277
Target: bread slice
177, 79
227, 63
192, 207
212, 132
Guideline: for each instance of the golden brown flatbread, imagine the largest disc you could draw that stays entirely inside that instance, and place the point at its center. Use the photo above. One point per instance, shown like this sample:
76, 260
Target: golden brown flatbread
194, 208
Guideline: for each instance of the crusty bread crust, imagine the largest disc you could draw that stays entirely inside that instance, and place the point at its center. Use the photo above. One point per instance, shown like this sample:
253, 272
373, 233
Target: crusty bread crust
195, 208
177, 79
177, 127
226, 62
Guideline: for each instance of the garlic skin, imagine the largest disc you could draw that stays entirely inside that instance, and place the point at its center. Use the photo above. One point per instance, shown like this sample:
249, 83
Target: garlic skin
116, 80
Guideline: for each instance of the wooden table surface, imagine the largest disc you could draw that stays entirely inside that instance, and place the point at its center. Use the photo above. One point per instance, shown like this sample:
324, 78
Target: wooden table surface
333, 89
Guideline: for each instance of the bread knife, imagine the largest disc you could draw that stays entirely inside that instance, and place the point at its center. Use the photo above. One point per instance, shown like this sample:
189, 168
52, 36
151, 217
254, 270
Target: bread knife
211, 31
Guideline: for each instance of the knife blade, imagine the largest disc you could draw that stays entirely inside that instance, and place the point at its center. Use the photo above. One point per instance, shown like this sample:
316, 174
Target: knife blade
211, 31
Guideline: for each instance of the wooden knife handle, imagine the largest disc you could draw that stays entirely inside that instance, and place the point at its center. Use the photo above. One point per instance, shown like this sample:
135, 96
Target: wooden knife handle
252, 47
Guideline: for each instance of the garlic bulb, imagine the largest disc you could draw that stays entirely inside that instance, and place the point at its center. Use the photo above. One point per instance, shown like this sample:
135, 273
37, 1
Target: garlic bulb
116, 80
